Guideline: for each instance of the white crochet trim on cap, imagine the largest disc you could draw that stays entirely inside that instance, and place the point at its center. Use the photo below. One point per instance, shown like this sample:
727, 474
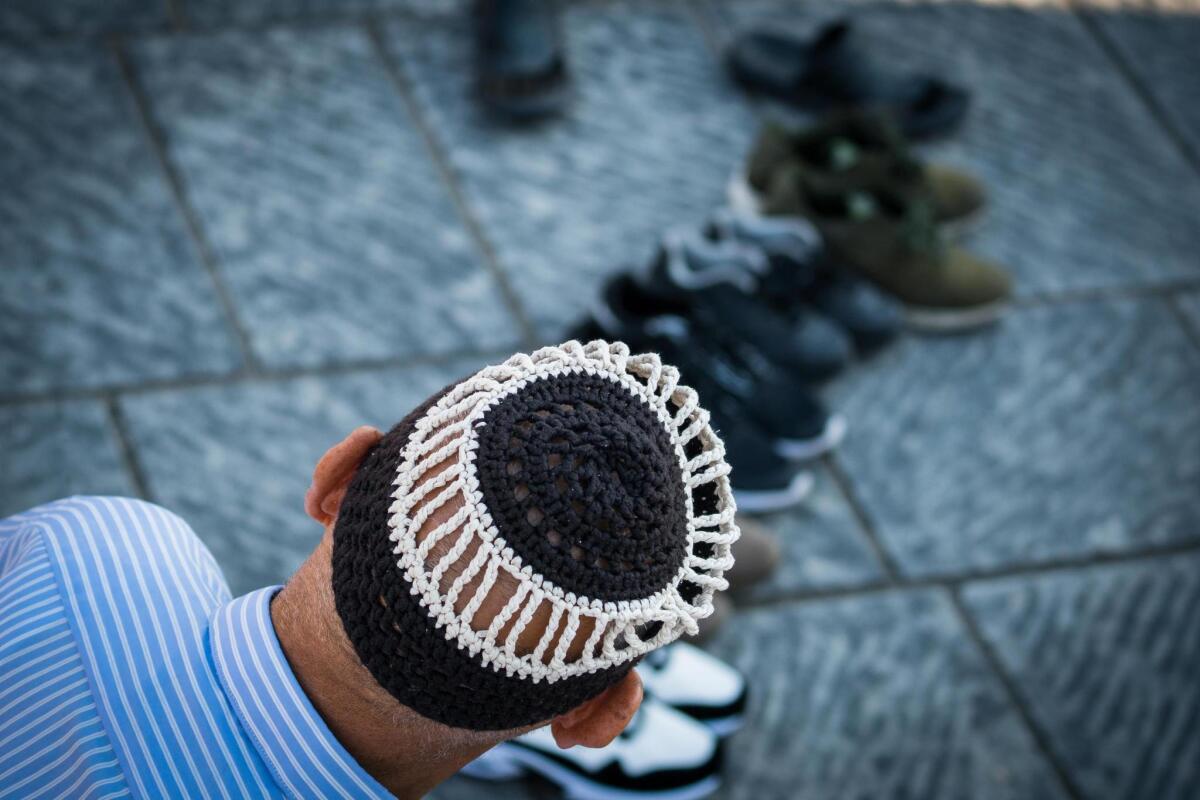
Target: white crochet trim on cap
448, 430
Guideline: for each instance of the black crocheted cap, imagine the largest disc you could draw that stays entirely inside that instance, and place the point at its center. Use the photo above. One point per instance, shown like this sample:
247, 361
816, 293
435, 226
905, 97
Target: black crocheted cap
582, 481
566, 483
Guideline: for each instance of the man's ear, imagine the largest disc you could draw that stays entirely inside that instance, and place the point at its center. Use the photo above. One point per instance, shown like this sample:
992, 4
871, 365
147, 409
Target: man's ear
332, 476
598, 721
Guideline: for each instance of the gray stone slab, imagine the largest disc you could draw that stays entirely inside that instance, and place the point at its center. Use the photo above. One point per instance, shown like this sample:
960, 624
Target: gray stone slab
1106, 659
54, 450
98, 281
235, 461
1190, 305
1086, 189
822, 544
24, 18
1068, 431
650, 141
206, 13
337, 238
876, 696
1160, 47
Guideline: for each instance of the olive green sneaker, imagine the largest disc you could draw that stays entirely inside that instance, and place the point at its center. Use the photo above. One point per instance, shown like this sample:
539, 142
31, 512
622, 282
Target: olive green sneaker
855, 149
891, 239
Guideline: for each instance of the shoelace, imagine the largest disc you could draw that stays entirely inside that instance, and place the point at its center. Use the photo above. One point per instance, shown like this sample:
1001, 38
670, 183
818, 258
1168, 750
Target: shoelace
843, 153
920, 229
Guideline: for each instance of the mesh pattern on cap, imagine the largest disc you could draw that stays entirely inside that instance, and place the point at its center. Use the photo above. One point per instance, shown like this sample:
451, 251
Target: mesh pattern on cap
582, 479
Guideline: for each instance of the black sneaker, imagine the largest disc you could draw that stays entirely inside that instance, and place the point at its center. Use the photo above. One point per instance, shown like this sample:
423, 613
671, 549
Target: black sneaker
715, 284
662, 755
762, 479
732, 388
802, 275
766, 424
700, 685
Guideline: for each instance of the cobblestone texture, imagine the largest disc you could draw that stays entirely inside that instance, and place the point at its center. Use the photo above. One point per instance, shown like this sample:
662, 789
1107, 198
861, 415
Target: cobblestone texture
1190, 304
879, 696
199, 447
99, 284
20, 19
52, 450
1106, 659
1068, 431
206, 13
1161, 50
329, 222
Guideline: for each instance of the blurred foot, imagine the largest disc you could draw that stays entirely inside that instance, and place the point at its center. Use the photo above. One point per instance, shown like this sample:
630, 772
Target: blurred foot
520, 58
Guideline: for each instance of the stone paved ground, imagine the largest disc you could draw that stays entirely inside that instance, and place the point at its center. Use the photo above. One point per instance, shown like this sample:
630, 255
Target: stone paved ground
231, 231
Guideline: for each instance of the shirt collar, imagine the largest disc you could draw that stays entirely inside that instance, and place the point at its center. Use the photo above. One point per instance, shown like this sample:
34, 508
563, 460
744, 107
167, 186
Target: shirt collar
303, 754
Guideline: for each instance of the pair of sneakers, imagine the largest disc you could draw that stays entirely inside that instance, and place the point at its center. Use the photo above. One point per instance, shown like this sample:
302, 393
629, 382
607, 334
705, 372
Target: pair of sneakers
802, 281
697, 306
670, 750
881, 212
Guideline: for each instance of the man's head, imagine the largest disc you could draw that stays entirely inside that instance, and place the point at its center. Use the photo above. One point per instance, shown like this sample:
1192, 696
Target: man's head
507, 552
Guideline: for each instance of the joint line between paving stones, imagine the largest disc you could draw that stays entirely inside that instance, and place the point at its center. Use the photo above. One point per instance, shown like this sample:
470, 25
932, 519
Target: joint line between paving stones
244, 377
1190, 330
890, 567
702, 15
190, 218
1153, 106
1051, 297
1016, 699
959, 579
129, 458
441, 163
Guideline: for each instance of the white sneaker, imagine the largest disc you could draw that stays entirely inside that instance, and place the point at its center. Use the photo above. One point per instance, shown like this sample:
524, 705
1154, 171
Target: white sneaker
662, 755
700, 685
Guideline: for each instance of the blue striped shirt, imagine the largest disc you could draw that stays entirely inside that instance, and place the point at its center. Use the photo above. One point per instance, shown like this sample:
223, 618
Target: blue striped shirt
127, 670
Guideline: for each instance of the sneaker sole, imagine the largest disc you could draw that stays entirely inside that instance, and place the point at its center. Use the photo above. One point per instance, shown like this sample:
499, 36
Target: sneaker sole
963, 227
808, 449
519, 761
764, 501
940, 320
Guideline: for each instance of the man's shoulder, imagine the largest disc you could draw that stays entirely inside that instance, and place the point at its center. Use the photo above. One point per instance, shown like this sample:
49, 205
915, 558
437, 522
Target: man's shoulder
124, 540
